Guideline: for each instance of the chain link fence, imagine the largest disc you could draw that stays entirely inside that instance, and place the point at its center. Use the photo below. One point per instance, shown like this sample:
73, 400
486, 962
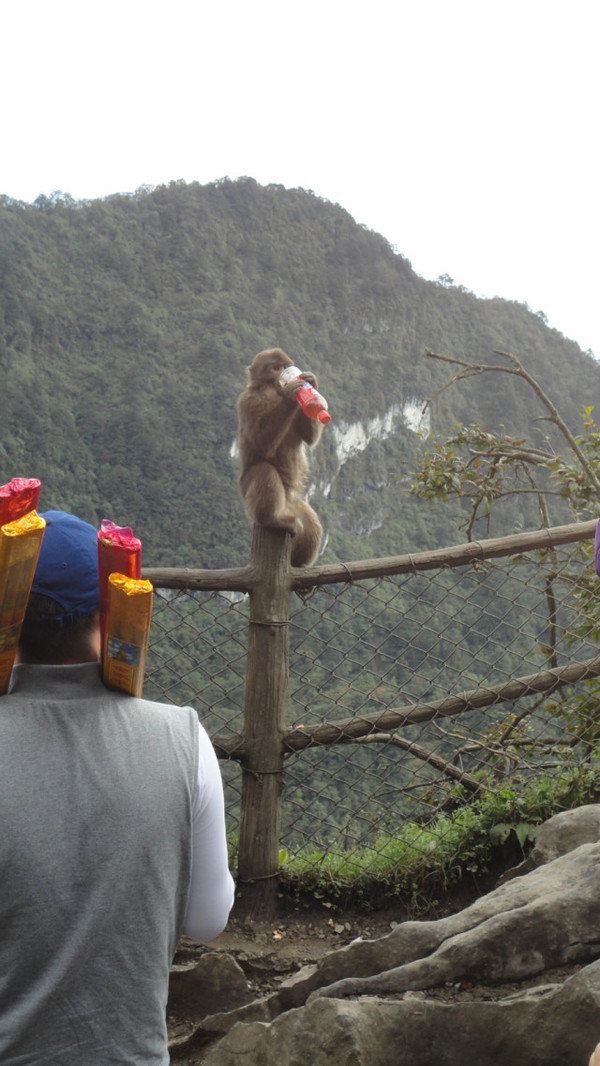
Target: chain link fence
444, 647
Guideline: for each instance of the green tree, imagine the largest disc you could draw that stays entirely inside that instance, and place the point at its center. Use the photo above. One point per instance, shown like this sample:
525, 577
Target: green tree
483, 467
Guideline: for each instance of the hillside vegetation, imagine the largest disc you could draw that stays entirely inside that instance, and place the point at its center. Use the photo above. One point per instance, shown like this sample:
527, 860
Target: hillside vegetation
127, 324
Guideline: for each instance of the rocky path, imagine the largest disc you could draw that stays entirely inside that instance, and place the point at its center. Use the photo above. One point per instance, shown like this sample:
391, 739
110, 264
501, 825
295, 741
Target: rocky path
515, 968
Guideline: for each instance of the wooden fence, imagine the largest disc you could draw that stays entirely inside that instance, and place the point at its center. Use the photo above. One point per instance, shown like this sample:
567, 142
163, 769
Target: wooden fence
269, 580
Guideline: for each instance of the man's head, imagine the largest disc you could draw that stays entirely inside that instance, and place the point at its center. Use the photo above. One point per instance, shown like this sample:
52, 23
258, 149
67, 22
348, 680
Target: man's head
61, 622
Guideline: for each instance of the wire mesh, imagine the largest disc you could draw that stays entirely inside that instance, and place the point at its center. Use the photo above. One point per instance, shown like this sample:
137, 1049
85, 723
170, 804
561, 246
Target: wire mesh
360, 648
197, 658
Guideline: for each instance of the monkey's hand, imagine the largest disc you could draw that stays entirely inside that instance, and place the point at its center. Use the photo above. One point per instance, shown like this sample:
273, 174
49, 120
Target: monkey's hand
311, 378
290, 390
292, 387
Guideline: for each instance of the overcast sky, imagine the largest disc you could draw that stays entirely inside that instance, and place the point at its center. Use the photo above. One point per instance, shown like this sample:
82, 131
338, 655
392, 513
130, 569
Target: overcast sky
465, 131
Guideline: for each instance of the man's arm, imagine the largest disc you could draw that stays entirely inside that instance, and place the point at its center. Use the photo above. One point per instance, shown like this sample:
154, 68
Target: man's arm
211, 888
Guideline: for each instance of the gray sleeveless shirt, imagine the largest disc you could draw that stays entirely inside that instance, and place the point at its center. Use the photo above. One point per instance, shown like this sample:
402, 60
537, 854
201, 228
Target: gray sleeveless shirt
96, 792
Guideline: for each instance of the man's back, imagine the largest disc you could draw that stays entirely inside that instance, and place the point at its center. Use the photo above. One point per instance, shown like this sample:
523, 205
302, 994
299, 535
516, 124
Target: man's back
96, 795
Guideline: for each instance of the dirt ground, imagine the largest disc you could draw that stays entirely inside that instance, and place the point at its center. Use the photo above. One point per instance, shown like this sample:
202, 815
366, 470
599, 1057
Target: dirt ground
269, 952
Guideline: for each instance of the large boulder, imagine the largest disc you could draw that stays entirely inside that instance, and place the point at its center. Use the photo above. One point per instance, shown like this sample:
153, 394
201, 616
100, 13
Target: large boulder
530, 924
556, 1025
558, 835
342, 1009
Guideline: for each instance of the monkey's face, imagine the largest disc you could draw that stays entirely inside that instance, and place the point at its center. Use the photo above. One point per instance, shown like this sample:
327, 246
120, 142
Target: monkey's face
267, 366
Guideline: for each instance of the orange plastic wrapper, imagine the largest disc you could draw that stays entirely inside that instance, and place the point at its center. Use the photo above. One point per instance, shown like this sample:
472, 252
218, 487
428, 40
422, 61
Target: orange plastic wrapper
119, 552
20, 543
17, 498
127, 630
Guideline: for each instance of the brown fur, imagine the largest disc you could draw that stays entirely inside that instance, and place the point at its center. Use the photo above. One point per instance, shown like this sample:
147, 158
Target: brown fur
273, 434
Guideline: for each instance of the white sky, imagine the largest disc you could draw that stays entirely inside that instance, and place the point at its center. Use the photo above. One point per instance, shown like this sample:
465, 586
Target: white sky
465, 131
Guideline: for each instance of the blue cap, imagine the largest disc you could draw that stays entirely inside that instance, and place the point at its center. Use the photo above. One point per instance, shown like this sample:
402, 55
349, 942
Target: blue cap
67, 567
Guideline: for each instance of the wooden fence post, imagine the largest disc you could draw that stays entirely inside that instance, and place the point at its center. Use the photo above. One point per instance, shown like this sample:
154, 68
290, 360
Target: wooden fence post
267, 673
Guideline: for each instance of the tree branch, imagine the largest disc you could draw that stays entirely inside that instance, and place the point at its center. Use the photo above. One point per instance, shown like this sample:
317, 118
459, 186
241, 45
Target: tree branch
518, 369
429, 757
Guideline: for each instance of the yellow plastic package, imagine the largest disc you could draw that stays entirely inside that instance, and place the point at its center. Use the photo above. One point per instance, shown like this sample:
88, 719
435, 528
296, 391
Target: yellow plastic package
126, 635
20, 543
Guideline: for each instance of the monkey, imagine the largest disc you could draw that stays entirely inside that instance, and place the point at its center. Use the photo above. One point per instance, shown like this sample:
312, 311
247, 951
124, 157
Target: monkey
272, 438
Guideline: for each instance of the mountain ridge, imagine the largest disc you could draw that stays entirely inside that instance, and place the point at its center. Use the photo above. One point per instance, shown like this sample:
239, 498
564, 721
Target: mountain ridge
127, 324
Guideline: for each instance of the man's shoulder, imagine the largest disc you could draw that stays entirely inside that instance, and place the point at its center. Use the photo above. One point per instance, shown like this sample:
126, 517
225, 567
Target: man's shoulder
169, 710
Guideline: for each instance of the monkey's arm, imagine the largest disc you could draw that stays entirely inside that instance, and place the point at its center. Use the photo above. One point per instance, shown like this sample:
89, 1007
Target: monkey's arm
267, 418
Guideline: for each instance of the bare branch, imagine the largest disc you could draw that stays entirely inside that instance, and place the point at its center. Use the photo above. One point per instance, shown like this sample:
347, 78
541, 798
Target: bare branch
554, 417
429, 757
518, 369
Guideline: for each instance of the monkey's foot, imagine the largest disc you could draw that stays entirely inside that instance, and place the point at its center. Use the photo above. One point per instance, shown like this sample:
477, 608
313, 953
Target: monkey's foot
290, 523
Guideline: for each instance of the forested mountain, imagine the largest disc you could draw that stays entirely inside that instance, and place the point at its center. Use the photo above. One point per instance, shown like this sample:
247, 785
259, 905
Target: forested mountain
127, 324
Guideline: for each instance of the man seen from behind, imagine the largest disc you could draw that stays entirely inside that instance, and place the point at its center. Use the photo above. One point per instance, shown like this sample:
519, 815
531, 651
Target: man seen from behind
112, 841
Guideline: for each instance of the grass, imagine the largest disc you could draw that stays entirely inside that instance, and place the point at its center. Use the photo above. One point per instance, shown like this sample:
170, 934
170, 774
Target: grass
423, 861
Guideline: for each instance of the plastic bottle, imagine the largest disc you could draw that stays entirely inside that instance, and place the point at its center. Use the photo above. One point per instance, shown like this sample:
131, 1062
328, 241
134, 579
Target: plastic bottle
312, 403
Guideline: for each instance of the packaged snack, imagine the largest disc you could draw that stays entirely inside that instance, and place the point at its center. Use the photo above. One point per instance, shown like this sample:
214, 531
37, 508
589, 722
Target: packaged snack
126, 633
17, 498
20, 543
119, 552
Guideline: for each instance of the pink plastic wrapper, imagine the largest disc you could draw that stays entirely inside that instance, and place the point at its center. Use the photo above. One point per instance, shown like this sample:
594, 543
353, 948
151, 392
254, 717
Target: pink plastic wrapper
18, 498
119, 552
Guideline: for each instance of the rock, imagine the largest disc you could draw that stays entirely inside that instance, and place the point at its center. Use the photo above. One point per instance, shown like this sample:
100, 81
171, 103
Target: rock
214, 984
547, 918
557, 1025
565, 832
559, 835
